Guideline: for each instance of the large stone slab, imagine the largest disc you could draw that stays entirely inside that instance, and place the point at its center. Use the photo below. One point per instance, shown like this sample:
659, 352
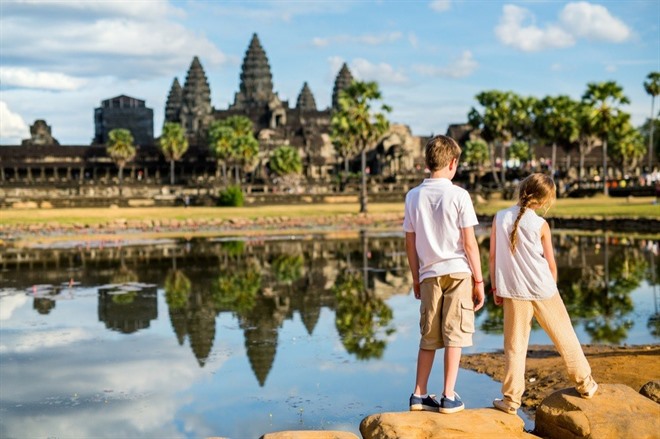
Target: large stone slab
473, 423
617, 411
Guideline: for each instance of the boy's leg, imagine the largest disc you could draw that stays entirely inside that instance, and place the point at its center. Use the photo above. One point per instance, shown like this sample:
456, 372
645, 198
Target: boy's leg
452, 363
425, 359
553, 318
517, 326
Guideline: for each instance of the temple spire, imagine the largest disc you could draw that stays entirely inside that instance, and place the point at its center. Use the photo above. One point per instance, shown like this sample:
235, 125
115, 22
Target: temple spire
196, 98
174, 102
344, 79
306, 100
256, 88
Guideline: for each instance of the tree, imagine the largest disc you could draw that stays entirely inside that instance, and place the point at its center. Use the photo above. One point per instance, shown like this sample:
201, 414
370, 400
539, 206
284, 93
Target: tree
232, 140
627, 146
285, 162
604, 100
357, 123
556, 122
475, 153
173, 144
494, 123
652, 87
120, 149
521, 150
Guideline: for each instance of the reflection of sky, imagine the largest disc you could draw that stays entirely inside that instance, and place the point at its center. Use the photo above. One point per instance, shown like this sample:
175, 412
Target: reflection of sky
65, 375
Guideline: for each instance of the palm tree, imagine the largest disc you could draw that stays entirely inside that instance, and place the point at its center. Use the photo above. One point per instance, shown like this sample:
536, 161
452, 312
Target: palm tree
285, 161
627, 145
652, 87
556, 122
121, 150
173, 144
357, 123
494, 124
232, 140
604, 100
475, 154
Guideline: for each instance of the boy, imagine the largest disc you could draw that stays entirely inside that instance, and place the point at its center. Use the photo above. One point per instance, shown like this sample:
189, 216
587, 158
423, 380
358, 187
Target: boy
443, 255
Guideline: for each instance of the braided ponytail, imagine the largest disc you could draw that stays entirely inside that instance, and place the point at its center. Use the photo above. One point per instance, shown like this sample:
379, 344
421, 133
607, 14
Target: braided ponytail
535, 190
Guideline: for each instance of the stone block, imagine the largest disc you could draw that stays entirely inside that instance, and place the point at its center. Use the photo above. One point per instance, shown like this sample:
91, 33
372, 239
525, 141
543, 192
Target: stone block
616, 411
473, 423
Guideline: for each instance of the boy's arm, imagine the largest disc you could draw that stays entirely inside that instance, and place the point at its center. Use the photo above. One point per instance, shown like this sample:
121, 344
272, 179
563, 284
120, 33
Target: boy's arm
548, 251
491, 264
472, 252
413, 261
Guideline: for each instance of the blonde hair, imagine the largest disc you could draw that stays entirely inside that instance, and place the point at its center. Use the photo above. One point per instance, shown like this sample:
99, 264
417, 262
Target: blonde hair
535, 190
440, 150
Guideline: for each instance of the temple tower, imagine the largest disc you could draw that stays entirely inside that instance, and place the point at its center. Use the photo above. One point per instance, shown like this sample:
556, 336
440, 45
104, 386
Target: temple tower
306, 100
196, 99
174, 103
256, 88
344, 79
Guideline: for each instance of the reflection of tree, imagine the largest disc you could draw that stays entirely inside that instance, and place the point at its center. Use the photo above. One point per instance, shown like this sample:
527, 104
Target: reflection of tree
287, 268
177, 293
237, 291
359, 315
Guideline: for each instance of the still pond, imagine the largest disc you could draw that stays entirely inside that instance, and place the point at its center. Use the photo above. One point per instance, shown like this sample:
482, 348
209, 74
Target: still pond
237, 338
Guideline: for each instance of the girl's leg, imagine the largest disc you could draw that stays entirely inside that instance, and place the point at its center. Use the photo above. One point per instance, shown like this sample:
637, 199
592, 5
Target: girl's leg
517, 326
553, 318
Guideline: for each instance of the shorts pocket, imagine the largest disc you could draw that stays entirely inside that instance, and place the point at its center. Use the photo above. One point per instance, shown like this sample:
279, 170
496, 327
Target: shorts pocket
467, 317
424, 323
459, 276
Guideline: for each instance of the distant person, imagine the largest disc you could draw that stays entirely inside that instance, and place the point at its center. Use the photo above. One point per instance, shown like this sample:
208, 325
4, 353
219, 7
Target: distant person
443, 255
523, 273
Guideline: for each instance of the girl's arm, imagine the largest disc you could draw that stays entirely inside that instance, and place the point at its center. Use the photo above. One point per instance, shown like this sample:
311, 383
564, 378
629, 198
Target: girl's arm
413, 261
472, 252
491, 264
548, 251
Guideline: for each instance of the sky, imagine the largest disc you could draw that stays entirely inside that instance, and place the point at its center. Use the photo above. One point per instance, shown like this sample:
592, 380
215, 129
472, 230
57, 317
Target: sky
60, 59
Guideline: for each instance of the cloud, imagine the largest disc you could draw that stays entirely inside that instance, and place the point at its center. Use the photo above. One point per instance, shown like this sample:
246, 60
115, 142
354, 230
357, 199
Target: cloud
576, 20
412, 39
440, 5
459, 68
381, 72
593, 22
126, 40
367, 39
26, 78
12, 126
513, 32
10, 302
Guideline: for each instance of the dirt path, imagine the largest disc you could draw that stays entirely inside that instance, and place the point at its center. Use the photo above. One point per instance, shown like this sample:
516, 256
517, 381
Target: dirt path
633, 366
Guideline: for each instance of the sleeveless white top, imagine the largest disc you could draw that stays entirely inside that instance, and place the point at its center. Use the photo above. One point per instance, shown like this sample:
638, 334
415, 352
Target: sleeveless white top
525, 274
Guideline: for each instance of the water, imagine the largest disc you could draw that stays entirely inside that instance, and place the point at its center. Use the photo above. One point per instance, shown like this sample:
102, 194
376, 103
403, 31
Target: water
189, 339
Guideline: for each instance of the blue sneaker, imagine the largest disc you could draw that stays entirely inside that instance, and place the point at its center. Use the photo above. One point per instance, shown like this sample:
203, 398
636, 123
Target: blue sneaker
449, 406
428, 404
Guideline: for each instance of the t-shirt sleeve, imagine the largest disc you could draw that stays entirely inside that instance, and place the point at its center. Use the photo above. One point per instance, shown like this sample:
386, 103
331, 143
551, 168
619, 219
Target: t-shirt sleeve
467, 215
407, 220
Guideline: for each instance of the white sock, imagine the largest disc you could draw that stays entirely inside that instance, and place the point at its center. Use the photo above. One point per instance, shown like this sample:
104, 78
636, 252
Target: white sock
420, 396
451, 399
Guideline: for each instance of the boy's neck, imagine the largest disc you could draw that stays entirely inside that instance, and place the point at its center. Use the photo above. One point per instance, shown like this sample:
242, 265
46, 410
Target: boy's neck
442, 173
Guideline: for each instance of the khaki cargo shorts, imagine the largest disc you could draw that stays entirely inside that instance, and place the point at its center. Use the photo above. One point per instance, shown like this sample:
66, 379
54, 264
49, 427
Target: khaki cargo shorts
446, 311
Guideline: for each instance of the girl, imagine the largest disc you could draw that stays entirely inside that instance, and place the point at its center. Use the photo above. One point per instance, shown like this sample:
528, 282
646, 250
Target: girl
524, 278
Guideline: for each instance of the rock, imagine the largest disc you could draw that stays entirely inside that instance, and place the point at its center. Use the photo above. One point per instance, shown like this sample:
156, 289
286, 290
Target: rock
651, 390
483, 422
616, 411
310, 434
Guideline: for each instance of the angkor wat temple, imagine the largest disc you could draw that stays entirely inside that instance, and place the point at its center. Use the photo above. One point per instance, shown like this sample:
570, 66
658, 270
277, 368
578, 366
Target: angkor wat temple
304, 126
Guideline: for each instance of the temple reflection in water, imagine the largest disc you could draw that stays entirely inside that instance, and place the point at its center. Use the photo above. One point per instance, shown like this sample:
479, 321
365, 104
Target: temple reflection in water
263, 283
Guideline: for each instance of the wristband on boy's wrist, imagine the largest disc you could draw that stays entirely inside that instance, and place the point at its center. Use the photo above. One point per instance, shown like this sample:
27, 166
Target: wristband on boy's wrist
492, 290
479, 281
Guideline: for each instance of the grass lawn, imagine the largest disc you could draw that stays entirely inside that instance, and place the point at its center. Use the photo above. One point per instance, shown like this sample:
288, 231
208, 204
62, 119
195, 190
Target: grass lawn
598, 206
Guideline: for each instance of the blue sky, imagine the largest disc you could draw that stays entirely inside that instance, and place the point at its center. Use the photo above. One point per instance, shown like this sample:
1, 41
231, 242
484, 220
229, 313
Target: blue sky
60, 59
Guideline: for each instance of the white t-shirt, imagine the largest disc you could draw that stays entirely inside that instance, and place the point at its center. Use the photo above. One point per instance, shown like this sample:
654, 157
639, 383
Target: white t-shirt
525, 274
436, 210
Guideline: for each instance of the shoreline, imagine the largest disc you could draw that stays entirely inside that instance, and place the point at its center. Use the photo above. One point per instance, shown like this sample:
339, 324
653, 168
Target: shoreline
631, 365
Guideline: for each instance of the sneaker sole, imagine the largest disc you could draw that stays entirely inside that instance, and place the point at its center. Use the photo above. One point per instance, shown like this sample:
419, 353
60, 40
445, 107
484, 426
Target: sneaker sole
591, 392
453, 410
507, 410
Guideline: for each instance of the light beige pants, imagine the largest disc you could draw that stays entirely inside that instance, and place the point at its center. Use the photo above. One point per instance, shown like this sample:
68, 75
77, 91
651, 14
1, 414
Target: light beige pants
553, 318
